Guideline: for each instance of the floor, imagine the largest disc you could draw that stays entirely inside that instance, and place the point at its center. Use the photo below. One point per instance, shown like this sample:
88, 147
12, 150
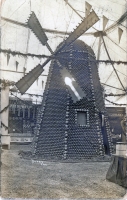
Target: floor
21, 178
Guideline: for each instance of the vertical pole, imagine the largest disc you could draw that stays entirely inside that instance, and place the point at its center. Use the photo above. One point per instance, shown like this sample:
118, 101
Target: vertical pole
99, 48
5, 138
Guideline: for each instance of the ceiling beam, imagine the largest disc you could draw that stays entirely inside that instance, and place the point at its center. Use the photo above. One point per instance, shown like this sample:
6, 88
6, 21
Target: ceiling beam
45, 29
25, 26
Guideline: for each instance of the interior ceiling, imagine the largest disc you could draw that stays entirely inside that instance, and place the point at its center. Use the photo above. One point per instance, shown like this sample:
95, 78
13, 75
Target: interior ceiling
63, 17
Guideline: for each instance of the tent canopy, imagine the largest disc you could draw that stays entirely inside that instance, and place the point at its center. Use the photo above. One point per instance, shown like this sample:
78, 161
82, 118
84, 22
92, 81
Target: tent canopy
59, 18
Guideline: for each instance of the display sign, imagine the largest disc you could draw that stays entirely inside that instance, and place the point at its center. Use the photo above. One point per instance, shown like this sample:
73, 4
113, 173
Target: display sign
116, 115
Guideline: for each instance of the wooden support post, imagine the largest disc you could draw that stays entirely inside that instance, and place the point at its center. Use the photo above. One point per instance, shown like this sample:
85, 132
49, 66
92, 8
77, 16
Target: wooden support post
5, 137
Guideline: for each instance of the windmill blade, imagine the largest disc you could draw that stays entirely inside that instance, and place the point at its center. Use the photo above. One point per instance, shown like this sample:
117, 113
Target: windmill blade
37, 29
24, 83
86, 23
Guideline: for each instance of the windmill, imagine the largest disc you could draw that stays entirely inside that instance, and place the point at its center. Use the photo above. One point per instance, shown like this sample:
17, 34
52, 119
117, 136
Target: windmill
71, 120
35, 26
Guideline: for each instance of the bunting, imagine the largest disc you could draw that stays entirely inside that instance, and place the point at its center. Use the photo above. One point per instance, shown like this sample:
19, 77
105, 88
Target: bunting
105, 21
42, 84
24, 70
120, 32
8, 58
14, 53
16, 63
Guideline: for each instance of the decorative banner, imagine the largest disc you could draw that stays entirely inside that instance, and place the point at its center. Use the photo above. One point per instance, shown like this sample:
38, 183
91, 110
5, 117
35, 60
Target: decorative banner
120, 32
8, 58
42, 84
14, 53
16, 65
24, 70
87, 8
105, 21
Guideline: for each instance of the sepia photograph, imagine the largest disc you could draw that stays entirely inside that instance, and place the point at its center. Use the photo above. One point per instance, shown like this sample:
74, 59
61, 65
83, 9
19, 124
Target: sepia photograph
63, 99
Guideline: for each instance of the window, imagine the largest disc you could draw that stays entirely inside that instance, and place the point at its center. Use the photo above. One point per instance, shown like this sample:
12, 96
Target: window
82, 118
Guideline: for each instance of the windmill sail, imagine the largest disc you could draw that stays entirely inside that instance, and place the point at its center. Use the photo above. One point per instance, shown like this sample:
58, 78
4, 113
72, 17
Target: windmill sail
24, 83
36, 27
29, 79
87, 23
69, 121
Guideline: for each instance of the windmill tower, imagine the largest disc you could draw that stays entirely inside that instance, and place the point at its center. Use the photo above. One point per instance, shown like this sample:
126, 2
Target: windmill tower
72, 122
69, 123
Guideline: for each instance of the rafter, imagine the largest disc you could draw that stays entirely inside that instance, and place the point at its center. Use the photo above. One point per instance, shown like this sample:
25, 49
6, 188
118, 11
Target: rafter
113, 65
45, 29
